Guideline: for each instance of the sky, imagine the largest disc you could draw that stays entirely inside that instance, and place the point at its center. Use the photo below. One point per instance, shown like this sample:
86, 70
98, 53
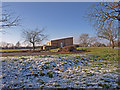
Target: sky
60, 19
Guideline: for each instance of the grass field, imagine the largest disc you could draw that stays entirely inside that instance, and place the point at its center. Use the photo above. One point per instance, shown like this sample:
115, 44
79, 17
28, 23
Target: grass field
102, 52
7, 50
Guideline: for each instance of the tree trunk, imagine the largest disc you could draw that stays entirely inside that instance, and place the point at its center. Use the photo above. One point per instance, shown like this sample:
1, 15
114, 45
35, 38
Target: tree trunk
113, 44
33, 46
110, 44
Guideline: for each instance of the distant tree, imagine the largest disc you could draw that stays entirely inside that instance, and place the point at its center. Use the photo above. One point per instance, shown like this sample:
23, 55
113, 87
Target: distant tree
92, 40
104, 17
10, 45
34, 37
116, 43
6, 45
110, 34
85, 40
3, 44
18, 44
98, 44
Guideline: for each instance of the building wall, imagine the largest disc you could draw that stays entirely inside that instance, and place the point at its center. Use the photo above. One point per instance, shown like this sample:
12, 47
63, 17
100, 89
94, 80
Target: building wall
64, 41
49, 43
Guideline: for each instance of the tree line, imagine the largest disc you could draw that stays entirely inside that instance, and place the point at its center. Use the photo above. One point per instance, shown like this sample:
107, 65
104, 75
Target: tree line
84, 40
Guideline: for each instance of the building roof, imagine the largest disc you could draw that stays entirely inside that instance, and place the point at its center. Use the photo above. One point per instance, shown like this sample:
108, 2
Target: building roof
62, 38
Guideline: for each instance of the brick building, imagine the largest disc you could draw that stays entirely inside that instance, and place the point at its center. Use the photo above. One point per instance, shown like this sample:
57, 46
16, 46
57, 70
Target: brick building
58, 43
61, 42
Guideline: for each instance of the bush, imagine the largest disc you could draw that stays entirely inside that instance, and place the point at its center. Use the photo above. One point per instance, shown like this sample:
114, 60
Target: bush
42, 74
75, 46
50, 74
68, 49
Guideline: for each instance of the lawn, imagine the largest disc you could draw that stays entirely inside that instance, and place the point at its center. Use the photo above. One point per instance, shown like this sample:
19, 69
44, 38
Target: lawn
54, 50
7, 50
100, 50
103, 52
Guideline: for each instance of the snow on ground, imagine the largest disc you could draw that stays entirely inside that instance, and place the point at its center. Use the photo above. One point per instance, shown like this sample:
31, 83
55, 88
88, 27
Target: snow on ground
58, 71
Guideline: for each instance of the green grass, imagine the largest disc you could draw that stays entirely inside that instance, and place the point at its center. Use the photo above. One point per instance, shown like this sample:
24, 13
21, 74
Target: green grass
50, 74
54, 49
98, 52
7, 50
103, 52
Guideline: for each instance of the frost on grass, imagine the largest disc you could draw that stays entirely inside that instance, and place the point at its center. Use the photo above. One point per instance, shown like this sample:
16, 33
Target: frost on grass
58, 71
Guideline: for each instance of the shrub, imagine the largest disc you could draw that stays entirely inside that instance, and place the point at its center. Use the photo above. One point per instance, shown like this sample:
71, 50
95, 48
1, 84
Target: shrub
50, 74
42, 74
47, 63
68, 49
76, 46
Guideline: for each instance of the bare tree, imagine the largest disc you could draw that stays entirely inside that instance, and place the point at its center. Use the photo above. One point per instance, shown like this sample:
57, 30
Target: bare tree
104, 17
6, 45
9, 45
109, 34
98, 44
85, 40
3, 44
18, 44
7, 19
34, 37
92, 40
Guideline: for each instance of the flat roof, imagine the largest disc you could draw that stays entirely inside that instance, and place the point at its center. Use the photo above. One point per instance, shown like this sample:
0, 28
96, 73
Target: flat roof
61, 38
